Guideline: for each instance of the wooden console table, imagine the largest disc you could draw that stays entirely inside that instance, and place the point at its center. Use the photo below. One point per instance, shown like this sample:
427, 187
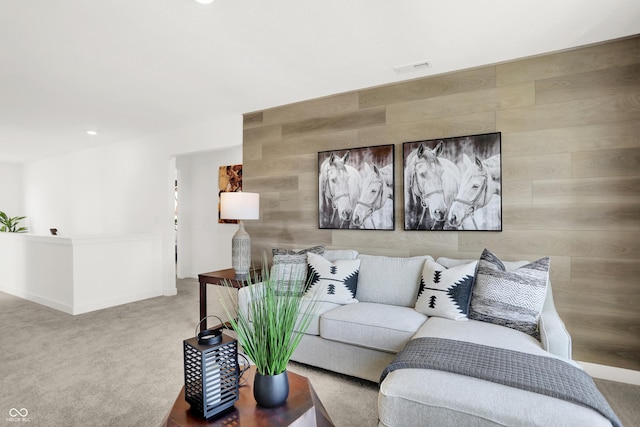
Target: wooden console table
303, 408
219, 278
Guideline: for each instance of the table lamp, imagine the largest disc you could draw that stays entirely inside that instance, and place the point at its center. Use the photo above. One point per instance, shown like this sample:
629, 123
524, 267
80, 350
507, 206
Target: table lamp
240, 206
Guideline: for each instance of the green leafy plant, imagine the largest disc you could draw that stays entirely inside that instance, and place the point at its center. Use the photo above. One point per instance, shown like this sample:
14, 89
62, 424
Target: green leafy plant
10, 225
278, 314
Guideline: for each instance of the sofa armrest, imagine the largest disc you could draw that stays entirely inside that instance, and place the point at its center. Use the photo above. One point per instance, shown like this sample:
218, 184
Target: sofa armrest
246, 294
553, 335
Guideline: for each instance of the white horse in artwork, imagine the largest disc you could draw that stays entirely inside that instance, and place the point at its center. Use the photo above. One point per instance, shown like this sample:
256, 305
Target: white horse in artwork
339, 185
376, 198
431, 184
478, 199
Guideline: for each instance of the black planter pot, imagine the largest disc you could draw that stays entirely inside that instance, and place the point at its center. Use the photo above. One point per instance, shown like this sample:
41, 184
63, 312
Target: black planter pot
271, 391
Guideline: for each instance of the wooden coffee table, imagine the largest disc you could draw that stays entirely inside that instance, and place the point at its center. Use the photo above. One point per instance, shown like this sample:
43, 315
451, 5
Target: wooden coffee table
303, 408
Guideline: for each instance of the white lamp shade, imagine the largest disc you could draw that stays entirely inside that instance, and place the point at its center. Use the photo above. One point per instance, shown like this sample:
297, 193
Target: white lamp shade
239, 205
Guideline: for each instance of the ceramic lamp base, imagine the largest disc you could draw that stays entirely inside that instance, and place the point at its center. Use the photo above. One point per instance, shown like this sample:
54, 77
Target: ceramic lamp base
241, 251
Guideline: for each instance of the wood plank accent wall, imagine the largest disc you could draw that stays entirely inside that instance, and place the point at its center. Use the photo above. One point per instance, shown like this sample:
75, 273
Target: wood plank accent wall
570, 124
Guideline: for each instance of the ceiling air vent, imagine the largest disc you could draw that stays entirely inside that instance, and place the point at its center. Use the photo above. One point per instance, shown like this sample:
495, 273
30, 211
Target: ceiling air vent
410, 68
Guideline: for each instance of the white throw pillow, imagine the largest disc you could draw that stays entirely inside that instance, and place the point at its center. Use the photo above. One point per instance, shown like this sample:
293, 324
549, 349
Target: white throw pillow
335, 281
446, 292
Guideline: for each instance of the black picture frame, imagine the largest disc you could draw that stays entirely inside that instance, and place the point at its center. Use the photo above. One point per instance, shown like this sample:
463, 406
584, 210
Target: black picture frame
453, 184
343, 200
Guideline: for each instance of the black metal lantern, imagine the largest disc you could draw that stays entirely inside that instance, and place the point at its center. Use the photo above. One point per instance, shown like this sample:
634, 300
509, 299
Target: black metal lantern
211, 372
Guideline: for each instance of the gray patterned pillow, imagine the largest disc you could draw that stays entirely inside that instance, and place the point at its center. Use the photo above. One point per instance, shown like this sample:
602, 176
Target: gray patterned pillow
509, 298
313, 249
289, 271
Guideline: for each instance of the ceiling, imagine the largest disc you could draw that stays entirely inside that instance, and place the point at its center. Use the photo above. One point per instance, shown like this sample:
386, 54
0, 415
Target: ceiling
134, 68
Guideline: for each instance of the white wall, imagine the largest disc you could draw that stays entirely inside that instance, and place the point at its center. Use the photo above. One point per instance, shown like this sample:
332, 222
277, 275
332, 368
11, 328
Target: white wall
127, 188
77, 275
203, 244
12, 189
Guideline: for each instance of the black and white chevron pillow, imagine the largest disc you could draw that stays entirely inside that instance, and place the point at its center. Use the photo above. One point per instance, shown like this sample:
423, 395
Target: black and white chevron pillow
335, 281
510, 298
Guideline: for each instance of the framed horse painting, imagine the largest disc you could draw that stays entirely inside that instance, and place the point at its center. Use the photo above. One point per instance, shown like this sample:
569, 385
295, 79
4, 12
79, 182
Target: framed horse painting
355, 188
453, 183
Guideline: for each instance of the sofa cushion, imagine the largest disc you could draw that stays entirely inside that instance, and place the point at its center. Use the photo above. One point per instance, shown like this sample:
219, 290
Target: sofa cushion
377, 326
335, 281
509, 298
390, 280
318, 310
446, 292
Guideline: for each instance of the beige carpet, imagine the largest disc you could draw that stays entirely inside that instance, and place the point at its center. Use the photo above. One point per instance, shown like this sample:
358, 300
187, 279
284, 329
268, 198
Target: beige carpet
123, 366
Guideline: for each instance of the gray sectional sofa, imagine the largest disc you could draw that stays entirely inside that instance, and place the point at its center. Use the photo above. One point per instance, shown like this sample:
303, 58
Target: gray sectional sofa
362, 337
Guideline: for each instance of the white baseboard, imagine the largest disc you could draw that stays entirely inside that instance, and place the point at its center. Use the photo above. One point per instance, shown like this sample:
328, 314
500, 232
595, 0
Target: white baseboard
611, 373
114, 301
38, 299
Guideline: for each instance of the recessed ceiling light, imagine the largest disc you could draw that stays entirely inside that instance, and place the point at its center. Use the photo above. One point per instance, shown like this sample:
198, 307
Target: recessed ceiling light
205, 1
92, 132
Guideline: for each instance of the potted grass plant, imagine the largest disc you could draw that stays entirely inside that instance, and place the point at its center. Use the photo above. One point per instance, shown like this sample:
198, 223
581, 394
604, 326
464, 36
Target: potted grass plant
11, 225
279, 311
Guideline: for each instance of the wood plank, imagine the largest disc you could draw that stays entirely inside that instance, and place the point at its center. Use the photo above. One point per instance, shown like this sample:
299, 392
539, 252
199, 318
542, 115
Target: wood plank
250, 120
602, 328
308, 182
261, 134
372, 136
458, 82
573, 217
312, 143
601, 136
586, 243
320, 107
305, 201
281, 233
470, 124
414, 243
559, 270
601, 271
587, 190
274, 165
608, 298
606, 163
252, 151
571, 113
516, 192
595, 84
260, 184
298, 216
619, 355
533, 167
580, 60
462, 103
336, 123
